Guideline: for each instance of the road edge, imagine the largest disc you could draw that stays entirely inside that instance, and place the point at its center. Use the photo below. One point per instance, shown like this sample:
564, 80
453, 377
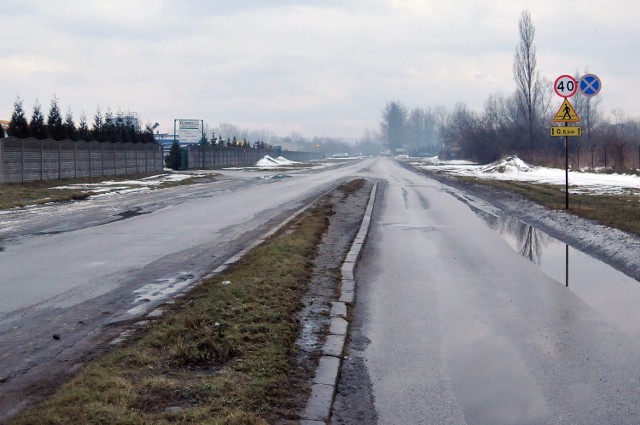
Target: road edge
325, 381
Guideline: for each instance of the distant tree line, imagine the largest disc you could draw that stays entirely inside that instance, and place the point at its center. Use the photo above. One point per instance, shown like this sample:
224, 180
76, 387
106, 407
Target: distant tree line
219, 141
54, 126
518, 123
226, 134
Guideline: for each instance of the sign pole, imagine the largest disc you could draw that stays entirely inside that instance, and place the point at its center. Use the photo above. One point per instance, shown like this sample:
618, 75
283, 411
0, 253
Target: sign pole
566, 169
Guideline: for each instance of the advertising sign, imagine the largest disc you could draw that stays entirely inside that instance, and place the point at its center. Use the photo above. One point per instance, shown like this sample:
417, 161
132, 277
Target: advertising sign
189, 130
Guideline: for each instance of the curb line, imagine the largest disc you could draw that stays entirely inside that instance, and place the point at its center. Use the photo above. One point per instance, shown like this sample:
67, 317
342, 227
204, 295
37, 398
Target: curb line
325, 382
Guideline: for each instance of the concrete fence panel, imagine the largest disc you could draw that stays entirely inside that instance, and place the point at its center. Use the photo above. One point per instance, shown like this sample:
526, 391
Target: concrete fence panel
24, 160
239, 156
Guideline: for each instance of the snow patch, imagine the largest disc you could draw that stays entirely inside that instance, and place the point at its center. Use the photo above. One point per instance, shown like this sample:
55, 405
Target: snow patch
514, 169
269, 162
509, 164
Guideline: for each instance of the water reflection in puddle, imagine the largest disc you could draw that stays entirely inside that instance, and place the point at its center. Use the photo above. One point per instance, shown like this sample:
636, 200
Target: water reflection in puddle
610, 292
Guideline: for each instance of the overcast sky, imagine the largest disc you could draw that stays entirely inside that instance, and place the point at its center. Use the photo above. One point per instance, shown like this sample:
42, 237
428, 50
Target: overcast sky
318, 68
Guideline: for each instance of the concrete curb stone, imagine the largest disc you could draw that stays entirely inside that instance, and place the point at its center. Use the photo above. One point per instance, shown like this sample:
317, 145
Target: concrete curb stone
323, 390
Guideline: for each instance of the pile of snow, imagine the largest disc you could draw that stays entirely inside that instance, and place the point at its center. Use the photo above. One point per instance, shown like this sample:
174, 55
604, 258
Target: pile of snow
268, 162
285, 161
509, 164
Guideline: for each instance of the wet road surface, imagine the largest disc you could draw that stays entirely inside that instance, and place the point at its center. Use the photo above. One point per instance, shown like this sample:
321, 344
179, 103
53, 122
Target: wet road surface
463, 329
73, 273
457, 327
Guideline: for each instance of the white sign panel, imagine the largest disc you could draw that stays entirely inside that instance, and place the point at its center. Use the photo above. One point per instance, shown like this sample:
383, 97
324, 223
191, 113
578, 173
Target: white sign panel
565, 86
189, 131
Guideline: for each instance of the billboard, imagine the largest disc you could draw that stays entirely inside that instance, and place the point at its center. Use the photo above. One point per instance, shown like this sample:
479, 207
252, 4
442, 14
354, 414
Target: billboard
188, 130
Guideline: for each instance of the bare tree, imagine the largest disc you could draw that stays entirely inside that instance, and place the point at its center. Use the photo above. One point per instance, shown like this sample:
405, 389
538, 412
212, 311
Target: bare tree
526, 76
394, 117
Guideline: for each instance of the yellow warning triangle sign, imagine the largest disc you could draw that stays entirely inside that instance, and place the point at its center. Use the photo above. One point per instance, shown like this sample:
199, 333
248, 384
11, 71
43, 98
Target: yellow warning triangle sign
566, 113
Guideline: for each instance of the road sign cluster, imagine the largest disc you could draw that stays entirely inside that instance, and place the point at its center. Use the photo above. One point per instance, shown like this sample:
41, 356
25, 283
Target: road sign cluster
566, 86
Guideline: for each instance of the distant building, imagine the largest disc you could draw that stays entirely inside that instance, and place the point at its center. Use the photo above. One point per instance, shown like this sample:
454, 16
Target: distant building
4, 124
165, 139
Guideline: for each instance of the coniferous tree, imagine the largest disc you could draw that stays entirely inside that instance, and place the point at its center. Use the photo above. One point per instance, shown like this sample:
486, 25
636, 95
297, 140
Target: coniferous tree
54, 121
37, 129
83, 129
69, 126
98, 124
147, 136
174, 158
18, 126
108, 127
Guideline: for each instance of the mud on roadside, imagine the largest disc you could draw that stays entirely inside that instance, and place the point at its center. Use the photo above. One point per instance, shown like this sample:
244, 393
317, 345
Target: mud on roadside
324, 287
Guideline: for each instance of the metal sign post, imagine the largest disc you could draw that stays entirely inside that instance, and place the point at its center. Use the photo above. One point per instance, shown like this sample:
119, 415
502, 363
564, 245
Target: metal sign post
566, 114
566, 86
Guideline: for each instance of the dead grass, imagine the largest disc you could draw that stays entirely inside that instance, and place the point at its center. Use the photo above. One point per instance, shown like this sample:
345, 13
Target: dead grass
221, 355
352, 186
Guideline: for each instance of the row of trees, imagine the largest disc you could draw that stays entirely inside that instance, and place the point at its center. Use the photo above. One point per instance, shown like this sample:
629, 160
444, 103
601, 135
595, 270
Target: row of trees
516, 123
107, 128
226, 134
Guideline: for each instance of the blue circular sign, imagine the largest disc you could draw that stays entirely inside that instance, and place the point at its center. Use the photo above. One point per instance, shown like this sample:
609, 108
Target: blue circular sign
589, 85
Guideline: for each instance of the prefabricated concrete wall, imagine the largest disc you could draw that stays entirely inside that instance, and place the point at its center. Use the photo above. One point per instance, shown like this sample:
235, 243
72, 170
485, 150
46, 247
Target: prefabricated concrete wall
24, 160
232, 156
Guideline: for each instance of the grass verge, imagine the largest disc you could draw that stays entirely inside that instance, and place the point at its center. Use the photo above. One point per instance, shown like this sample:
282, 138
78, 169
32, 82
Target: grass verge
40, 192
220, 355
618, 211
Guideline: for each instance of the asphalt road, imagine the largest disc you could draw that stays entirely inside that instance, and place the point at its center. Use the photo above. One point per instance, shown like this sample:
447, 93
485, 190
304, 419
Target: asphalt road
461, 329
458, 327
73, 273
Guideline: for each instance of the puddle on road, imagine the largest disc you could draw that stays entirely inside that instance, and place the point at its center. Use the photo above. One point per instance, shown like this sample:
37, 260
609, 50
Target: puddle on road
275, 177
131, 213
610, 292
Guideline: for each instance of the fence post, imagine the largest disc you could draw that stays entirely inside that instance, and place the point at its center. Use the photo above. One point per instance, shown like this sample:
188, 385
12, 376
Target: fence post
75, 160
1, 162
22, 161
59, 160
41, 160
102, 158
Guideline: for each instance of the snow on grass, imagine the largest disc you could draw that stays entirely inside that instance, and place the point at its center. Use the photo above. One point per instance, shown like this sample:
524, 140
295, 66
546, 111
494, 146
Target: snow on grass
110, 187
512, 168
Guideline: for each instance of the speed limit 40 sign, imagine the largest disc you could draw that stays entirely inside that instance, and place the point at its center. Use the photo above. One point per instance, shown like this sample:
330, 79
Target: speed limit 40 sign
565, 86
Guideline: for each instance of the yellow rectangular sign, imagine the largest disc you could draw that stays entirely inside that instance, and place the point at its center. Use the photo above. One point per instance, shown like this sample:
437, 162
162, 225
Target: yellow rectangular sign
566, 131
